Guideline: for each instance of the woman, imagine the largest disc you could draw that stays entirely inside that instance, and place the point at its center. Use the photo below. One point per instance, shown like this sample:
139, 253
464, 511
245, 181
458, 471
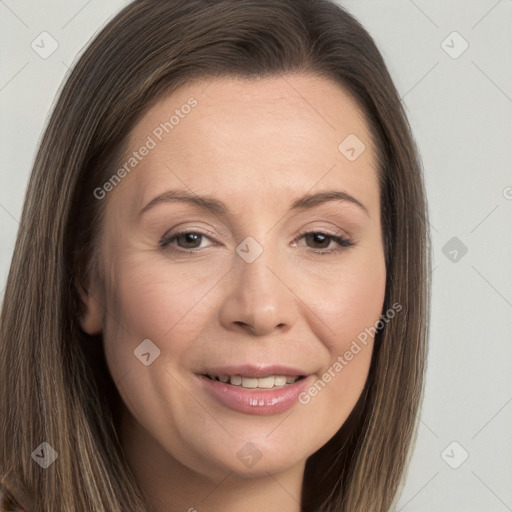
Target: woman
259, 369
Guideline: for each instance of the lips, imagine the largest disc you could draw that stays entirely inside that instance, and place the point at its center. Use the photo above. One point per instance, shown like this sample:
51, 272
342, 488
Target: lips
255, 389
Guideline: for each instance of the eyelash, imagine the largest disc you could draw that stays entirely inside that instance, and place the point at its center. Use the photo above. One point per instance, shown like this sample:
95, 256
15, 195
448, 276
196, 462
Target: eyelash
342, 242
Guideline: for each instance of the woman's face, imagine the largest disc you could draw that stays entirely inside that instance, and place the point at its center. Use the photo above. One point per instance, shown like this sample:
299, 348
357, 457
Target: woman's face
274, 281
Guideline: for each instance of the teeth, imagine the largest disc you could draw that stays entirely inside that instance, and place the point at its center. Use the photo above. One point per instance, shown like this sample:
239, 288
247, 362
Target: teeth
236, 380
281, 380
248, 382
267, 382
253, 382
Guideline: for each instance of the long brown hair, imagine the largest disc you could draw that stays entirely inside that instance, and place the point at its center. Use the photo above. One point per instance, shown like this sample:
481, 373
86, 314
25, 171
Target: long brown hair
55, 384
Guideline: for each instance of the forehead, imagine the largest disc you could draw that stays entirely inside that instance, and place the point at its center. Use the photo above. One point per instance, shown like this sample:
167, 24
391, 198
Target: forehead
280, 135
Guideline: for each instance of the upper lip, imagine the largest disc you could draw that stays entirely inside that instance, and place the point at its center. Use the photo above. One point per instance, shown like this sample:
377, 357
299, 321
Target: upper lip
252, 370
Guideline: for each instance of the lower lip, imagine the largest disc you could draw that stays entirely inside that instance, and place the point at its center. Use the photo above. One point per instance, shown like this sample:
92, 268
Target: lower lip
255, 401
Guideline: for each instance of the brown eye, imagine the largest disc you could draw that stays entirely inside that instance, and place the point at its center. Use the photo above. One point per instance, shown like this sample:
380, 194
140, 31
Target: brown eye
186, 240
189, 240
318, 240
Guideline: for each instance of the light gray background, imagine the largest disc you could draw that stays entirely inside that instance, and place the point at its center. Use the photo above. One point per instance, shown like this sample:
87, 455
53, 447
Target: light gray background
460, 110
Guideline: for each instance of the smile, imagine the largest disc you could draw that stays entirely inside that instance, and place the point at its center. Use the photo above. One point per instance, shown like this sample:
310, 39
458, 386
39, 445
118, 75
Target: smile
264, 389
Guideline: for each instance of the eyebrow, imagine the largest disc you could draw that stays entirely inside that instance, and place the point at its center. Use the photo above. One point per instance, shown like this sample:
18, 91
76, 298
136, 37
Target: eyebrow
218, 207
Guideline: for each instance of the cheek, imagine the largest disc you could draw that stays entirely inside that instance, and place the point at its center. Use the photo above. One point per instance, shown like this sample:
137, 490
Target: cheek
341, 307
349, 306
151, 299
348, 300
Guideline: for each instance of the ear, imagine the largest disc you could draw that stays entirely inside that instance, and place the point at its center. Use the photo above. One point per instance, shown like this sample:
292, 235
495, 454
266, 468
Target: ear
91, 320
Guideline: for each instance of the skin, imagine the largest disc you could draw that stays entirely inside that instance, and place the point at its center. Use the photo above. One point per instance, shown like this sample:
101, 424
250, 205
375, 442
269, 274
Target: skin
256, 145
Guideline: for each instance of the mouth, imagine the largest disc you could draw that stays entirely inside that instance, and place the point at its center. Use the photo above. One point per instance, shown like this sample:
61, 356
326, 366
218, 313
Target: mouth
264, 389
254, 382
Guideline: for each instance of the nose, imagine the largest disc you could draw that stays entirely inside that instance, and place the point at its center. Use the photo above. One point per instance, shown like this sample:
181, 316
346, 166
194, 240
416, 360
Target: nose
260, 299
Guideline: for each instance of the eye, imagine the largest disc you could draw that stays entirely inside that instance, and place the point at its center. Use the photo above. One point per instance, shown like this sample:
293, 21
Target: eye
321, 241
190, 241
186, 240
